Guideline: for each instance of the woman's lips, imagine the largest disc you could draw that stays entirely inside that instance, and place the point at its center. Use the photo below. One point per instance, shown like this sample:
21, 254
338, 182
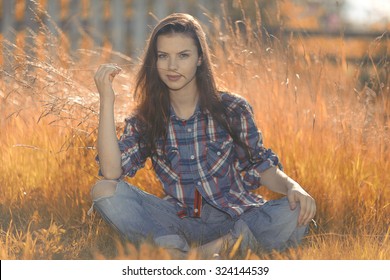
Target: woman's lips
173, 78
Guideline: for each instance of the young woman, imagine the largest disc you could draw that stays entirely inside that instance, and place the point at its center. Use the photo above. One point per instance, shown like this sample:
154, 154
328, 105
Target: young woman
205, 148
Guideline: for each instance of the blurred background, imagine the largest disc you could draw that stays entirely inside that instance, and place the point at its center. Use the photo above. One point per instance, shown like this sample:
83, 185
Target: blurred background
124, 25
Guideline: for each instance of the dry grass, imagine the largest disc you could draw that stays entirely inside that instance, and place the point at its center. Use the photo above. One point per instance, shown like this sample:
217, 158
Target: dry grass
332, 140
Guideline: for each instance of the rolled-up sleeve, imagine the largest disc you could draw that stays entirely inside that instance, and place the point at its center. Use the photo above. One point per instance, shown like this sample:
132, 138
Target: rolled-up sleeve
132, 150
261, 158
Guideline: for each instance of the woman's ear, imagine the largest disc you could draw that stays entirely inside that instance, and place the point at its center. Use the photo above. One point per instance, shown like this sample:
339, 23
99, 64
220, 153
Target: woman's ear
199, 61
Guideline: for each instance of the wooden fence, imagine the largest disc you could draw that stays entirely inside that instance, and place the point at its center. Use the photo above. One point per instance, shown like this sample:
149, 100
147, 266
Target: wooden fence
126, 23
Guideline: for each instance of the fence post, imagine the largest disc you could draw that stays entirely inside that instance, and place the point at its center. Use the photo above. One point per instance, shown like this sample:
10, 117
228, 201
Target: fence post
8, 31
160, 9
52, 22
31, 25
95, 19
53, 9
182, 6
74, 34
138, 27
118, 25
204, 10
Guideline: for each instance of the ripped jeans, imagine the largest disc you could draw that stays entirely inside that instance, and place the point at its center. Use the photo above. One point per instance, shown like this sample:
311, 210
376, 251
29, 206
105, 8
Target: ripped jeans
140, 216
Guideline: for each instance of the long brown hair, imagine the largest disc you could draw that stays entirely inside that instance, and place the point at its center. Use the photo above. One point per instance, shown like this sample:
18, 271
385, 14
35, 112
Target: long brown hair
153, 94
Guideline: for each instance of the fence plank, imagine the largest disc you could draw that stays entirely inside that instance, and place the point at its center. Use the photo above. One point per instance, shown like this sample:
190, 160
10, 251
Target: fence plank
201, 6
160, 9
182, 6
9, 32
74, 24
8, 20
138, 27
30, 22
118, 25
95, 19
53, 9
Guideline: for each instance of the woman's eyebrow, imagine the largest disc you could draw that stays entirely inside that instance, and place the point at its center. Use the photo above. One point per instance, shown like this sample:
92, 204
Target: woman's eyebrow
159, 51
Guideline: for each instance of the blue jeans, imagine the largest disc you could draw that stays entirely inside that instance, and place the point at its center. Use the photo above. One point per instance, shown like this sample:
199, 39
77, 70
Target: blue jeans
139, 216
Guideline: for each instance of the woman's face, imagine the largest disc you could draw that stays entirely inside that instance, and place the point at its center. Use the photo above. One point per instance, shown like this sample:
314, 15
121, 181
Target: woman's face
177, 61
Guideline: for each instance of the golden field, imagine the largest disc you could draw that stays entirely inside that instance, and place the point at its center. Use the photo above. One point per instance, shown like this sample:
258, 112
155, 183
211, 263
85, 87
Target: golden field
332, 137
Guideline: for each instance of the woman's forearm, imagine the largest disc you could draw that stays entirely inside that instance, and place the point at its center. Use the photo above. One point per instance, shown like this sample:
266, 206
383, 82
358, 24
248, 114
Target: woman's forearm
276, 180
108, 148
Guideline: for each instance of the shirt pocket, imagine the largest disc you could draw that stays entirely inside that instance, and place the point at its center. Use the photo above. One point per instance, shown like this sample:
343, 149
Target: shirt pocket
167, 166
218, 157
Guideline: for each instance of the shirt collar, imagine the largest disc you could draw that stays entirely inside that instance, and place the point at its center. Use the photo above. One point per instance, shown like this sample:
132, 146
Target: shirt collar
172, 113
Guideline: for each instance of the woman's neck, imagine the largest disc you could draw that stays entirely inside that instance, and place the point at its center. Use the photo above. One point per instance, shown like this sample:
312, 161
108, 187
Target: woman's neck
184, 103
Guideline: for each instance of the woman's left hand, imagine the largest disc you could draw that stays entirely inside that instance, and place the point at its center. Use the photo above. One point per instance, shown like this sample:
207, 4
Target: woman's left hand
296, 194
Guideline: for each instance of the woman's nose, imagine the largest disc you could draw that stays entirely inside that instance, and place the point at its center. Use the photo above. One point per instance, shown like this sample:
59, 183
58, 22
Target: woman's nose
172, 64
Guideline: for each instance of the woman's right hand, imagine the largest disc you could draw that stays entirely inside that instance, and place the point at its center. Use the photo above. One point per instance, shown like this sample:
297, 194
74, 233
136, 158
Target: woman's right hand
103, 80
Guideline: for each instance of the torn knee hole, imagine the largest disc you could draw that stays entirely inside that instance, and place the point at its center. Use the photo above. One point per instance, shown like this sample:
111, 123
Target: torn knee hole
104, 189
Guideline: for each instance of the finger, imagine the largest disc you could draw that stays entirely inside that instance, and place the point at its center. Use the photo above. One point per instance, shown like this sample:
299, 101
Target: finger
302, 212
107, 68
99, 72
291, 201
102, 71
116, 71
310, 212
113, 74
107, 73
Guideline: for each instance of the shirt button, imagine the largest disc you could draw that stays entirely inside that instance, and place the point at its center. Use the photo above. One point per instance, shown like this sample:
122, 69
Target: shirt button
218, 153
192, 157
189, 129
198, 183
196, 210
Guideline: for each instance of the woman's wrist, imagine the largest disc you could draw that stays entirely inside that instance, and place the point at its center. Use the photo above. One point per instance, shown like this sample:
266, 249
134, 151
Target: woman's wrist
106, 103
288, 183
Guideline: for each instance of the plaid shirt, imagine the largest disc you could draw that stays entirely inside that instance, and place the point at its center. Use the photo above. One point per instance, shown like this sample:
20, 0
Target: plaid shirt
201, 161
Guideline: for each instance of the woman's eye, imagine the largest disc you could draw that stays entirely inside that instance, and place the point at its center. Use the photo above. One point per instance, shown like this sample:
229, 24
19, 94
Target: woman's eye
184, 55
161, 56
